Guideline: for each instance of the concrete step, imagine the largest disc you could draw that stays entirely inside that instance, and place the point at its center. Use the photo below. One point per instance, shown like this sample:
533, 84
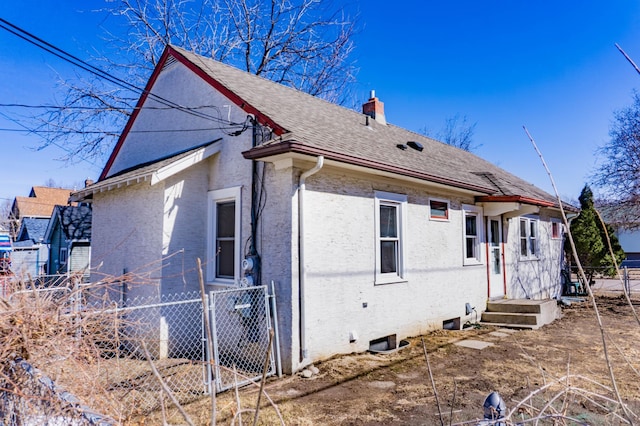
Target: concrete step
511, 318
521, 313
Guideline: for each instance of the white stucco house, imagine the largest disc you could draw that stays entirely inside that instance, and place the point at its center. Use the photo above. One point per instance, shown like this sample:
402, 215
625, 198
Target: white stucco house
367, 230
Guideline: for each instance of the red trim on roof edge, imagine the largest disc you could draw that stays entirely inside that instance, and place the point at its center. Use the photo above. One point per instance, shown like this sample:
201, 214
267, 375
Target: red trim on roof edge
169, 51
134, 114
293, 146
514, 199
233, 97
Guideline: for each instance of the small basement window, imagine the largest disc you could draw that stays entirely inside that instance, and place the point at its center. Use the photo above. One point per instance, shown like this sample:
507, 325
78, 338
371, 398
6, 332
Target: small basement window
387, 344
383, 344
451, 324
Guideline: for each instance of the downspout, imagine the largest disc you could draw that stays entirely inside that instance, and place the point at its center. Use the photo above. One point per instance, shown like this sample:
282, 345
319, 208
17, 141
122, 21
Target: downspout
302, 273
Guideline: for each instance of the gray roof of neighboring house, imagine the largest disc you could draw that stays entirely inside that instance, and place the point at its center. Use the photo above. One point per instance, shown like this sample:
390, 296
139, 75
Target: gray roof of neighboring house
624, 215
75, 221
32, 229
28, 244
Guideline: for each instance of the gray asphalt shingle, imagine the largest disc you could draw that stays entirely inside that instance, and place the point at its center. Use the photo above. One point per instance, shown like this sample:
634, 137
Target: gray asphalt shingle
336, 130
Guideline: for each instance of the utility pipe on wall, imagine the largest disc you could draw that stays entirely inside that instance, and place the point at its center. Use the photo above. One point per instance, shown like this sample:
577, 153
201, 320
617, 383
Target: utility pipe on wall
304, 351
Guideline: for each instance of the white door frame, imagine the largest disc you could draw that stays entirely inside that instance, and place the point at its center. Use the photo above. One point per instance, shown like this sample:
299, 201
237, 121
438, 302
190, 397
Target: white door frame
495, 258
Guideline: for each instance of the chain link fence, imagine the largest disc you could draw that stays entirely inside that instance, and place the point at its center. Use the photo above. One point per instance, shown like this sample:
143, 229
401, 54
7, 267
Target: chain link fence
149, 344
241, 326
167, 331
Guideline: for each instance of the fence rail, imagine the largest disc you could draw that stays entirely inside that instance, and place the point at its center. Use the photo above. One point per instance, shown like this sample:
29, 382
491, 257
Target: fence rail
608, 278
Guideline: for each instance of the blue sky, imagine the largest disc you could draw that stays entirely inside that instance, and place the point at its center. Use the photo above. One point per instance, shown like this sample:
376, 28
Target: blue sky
550, 66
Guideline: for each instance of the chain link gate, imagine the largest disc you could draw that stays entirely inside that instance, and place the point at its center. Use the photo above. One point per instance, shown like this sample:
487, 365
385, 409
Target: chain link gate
240, 325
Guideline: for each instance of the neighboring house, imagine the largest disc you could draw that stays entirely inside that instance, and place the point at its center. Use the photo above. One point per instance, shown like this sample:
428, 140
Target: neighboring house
366, 229
5, 255
30, 253
624, 219
629, 239
28, 220
69, 238
39, 204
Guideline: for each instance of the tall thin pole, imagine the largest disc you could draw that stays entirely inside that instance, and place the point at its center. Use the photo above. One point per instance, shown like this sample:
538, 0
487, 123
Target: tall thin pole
584, 279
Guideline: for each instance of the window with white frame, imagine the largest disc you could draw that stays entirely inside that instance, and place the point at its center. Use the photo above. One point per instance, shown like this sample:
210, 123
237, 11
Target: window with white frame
390, 222
556, 230
63, 255
223, 245
472, 217
438, 209
528, 238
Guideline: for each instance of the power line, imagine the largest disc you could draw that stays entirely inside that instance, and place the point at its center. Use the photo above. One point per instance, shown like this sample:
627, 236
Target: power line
97, 132
91, 108
27, 130
67, 57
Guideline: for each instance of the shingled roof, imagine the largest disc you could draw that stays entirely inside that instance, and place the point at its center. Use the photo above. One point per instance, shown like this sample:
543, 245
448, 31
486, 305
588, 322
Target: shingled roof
309, 125
304, 124
40, 202
75, 221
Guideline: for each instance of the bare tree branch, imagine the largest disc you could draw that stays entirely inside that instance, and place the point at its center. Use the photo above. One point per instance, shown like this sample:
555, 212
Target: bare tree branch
618, 175
456, 131
305, 44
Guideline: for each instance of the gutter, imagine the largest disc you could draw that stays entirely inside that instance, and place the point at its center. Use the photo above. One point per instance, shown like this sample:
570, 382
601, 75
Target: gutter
294, 147
302, 272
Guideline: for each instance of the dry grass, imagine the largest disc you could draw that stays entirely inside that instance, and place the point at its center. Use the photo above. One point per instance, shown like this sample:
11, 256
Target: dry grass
557, 373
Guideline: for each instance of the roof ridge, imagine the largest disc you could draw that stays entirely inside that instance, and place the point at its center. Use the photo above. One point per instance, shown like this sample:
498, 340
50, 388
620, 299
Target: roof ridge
248, 74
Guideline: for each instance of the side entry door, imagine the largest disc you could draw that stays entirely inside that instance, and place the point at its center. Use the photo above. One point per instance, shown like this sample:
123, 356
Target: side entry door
495, 259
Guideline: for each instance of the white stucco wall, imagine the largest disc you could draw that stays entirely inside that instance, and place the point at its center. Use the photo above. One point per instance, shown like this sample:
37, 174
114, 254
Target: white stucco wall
533, 278
180, 210
175, 130
277, 231
157, 232
341, 295
127, 237
184, 228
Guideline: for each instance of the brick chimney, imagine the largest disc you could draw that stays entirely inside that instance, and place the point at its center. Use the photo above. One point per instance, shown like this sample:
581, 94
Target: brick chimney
374, 109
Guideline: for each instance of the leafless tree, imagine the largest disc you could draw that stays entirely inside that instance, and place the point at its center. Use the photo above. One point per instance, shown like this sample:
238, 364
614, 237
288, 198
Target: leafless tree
5, 214
618, 175
304, 44
456, 131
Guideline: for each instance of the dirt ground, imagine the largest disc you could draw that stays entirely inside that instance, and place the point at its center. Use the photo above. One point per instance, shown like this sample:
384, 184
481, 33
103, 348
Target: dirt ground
371, 389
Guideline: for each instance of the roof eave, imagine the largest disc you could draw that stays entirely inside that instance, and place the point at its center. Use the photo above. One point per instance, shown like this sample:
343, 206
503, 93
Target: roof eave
152, 176
295, 147
523, 200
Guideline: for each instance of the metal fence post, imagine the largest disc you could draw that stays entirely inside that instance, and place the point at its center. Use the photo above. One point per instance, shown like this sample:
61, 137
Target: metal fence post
274, 313
206, 352
213, 345
626, 281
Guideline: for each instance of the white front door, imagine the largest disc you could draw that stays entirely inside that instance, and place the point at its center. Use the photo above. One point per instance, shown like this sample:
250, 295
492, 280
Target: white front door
495, 262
